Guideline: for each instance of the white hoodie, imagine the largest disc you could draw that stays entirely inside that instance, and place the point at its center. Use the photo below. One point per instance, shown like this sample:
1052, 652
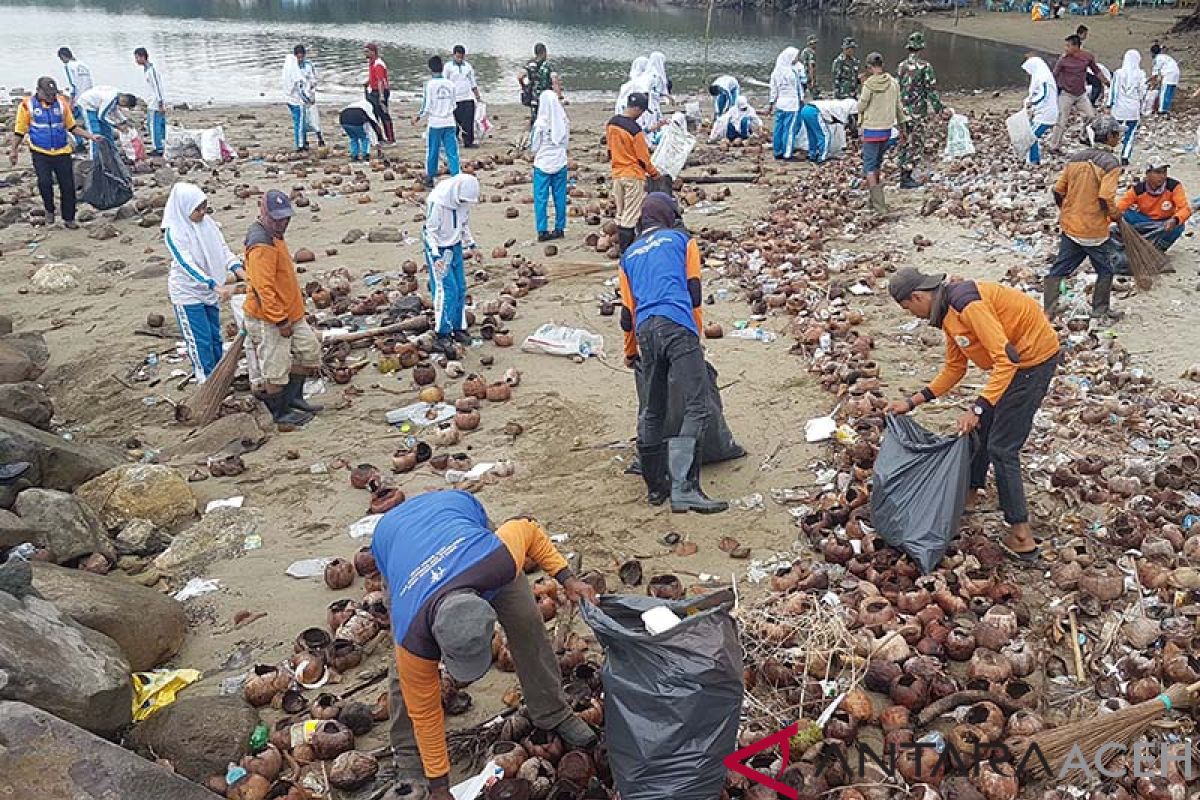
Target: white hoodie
551, 135
448, 212
786, 92
1043, 92
1128, 88
1167, 68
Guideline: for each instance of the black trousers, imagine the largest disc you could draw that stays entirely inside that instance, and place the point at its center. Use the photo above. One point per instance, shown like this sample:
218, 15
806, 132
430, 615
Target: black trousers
52, 168
671, 355
1001, 435
379, 105
464, 116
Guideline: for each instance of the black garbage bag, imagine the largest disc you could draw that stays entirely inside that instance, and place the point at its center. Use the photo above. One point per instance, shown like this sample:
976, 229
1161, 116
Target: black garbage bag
109, 184
918, 489
718, 443
672, 702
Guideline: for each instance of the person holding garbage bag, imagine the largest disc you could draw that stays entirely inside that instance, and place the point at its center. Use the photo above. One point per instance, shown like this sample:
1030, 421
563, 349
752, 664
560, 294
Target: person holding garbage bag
450, 577
660, 314
1004, 331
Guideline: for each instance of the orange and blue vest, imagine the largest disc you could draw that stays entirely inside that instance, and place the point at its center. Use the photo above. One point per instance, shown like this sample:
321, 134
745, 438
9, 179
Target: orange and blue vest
47, 126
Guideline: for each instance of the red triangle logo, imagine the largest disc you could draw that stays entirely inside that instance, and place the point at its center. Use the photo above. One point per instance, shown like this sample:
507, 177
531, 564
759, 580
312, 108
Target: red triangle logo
736, 761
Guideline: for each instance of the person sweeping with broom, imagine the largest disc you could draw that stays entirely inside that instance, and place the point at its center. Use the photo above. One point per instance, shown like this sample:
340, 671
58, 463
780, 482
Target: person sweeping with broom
287, 349
1001, 330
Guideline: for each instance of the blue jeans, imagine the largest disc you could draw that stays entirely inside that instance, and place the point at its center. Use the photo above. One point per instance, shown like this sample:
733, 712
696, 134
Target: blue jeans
299, 126
739, 131
1165, 97
360, 142
1131, 127
200, 325
546, 185
873, 153
441, 138
449, 291
818, 149
1071, 254
1035, 149
783, 139
100, 128
156, 125
1152, 229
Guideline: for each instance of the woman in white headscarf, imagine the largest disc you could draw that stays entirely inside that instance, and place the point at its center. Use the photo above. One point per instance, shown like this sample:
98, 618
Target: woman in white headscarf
738, 122
1042, 102
447, 229
659, 88
637, 82
1125, 97
785, 96
201, 266
548, 142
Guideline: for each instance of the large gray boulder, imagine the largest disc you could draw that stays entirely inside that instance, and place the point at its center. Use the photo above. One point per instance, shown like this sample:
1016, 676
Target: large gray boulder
148, 626
58, 463
46, 758
66, 526
14, 532
52, 662
220, 534
26, 402
198, 735
33, 345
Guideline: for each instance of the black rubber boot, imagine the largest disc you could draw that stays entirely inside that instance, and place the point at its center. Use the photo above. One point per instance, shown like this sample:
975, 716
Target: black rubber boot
281, 412
1102, 299
1051, 290
653, 461
907, 181
625, 237
295, 396
684, 464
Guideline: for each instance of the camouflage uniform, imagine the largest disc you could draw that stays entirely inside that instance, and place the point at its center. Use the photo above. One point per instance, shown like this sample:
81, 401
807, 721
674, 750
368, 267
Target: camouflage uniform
808, 60
846, 72
918, 94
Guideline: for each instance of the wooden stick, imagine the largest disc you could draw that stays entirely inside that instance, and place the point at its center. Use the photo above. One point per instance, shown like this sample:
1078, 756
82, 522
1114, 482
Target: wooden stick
709, 179
1080, 675
418, 324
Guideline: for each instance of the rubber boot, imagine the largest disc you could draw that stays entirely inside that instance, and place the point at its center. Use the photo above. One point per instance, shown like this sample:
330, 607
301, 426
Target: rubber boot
653, 459
1102, 299
907, 181
625, 237
295, 395
281, 412
684, 465
576, 733
878, 204
1051, 290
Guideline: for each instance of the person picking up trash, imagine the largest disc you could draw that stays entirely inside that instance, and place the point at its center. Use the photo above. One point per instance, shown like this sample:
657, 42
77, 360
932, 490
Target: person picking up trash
1157, 207
447, 230
450, 578
661, 317
1001, 330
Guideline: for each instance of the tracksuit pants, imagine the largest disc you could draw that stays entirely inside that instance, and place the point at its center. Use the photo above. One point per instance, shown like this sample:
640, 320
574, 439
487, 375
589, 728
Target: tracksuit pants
449, 288
1035, 149
739, 131
379, 104
783, 138
100, 128
818, 142
299, 126
1003, 432
56, 168
1165, 97
156, 125
1131, 126
440, 138
464, 117
360, 142
545, 186
200, 325
671, 355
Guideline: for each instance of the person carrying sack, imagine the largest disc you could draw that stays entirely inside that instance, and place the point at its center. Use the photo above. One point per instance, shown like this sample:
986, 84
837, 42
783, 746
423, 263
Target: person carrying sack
661, 317
1003, 331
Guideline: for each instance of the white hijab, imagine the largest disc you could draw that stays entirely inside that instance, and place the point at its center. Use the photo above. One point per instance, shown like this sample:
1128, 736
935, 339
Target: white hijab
1039, 73
639, 81
456, 192
1130, 78
202, 240
784, 66
638, 68
656, 71
552, 119
292, 74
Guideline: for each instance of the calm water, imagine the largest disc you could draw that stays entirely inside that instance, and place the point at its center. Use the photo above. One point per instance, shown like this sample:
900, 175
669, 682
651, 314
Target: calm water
232, 51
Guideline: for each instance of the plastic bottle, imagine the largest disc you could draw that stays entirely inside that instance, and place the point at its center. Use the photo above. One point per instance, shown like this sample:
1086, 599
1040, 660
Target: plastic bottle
259, 738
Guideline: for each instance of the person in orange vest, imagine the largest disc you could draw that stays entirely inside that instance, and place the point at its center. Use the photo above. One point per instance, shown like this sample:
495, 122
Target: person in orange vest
46, 120
1156, 206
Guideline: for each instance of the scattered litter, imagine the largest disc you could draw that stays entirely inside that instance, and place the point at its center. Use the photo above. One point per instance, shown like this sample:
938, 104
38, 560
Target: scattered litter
196, 587
364, 526
158, 689
422, 414
473, 787
228, 502
252, 542
820, 429
659, 619
756, 334
559, 340
308, 567
751, 502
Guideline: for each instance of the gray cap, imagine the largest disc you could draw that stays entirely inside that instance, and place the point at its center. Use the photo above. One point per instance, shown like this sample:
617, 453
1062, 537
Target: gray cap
463, 626
278, 205
638, 100
1103, 127
909, 280
874, 59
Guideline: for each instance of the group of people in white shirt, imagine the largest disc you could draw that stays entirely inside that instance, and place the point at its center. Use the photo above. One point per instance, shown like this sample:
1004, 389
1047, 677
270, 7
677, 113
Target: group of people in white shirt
103, 108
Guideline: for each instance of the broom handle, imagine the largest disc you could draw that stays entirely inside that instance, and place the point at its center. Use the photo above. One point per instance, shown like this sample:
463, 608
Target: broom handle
1080, 675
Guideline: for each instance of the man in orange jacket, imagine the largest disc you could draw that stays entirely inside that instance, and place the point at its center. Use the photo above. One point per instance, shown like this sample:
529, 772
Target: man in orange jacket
287, 348
631, 165
1157, 206
1005, 332
450, 578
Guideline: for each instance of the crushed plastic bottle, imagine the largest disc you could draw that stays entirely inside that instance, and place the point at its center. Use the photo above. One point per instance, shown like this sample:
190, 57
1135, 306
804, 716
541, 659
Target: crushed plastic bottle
755, 334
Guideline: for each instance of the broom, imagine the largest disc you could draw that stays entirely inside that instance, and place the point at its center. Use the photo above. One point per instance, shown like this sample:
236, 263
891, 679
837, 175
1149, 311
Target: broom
202, 408
1145, 260
1122, 727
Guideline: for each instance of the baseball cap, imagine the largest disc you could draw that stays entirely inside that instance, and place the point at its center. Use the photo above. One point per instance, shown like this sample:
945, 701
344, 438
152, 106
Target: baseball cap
875, 59
278, 205
909, 280
463, 626
638, 100
1157, 166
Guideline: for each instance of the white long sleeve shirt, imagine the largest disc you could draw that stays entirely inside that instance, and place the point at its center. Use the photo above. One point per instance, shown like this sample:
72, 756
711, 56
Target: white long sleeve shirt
79, 78
786, 91
549, 157
463, 77
446, 227
438, 106
154, 87
195, 275
103, 101
1167, 68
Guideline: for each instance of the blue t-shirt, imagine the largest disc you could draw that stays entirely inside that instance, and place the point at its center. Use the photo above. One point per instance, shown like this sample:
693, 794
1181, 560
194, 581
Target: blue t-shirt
656, 268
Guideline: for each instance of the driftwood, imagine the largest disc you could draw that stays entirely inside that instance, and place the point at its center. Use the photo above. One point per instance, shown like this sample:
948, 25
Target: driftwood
417, 324
704, 179
953, 701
